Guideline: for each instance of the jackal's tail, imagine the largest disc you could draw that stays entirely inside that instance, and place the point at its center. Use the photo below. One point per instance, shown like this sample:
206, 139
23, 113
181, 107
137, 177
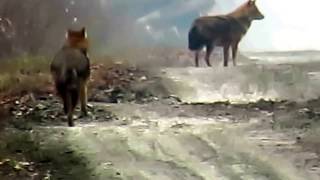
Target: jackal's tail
195, 39
68, 87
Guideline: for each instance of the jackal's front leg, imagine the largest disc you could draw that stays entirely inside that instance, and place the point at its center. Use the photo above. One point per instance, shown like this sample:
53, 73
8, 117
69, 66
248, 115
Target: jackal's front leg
196, 58
83, 98
226, 49
209, 49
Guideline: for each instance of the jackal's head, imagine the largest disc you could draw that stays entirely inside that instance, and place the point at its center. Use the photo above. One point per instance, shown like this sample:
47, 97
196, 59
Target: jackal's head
77, 39
252, 10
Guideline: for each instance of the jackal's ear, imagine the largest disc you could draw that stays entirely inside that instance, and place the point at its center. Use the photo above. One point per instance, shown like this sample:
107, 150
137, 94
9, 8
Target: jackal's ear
251, 2
84, 32
69, 33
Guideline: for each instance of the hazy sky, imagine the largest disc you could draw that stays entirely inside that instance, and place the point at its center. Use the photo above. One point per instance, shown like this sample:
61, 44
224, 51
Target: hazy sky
289, 24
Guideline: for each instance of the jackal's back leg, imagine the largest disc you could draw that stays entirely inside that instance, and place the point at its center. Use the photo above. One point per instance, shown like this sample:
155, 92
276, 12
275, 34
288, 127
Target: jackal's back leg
83, 98
209, 49
69, 109
234, 53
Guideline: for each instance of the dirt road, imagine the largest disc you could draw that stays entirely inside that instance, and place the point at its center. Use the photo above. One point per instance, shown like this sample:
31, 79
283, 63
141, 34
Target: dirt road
172, 140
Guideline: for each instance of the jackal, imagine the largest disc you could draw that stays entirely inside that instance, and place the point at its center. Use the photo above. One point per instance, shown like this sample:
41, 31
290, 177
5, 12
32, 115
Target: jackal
70, 70
223, 30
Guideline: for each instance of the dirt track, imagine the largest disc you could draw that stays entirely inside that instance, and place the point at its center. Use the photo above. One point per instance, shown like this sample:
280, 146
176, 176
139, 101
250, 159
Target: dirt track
162, 138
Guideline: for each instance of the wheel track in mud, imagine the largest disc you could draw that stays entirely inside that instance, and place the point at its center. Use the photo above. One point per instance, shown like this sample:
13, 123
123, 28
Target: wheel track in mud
194, 152
155, 144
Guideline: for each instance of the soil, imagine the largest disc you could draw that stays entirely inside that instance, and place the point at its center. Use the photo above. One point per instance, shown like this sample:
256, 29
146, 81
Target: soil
137, 129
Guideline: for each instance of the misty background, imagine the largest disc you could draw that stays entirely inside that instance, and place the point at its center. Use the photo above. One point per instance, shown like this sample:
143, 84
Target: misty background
38, 26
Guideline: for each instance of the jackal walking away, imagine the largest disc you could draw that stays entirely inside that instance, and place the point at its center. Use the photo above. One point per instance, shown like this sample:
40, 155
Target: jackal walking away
222, 30
70, 70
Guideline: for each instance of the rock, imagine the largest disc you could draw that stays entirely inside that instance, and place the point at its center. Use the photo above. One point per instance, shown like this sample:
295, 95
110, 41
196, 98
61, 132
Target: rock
175, 98
304, 110
143, 78
69, 152
108, 90
90, 106
19, 113
40, 106
24, 108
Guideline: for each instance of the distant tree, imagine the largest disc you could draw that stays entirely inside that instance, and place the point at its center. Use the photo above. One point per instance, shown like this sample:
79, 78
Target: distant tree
38, 26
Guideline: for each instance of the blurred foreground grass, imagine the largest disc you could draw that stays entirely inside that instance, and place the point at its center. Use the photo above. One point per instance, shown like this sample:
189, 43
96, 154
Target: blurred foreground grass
24, 74
32, 74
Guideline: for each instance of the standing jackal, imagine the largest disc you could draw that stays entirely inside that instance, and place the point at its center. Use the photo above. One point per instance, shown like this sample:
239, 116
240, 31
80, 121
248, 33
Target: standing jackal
223, 30
70, 70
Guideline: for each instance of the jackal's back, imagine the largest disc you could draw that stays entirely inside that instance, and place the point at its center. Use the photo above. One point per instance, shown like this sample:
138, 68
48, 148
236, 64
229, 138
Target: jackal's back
70, 60
206, 29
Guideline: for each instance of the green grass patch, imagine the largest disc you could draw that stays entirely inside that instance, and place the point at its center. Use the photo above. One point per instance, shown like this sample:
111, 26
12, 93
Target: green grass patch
32, 154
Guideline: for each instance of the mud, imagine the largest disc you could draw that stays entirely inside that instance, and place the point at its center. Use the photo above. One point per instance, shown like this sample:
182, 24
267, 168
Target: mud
141, 130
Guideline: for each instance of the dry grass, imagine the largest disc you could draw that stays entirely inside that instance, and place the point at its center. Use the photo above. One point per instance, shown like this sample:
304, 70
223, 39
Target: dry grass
24, 74
27, 74
21, 76
26, 78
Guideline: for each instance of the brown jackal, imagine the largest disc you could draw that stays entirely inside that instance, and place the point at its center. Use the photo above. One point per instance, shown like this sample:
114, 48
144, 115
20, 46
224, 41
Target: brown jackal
223, 30
70, 70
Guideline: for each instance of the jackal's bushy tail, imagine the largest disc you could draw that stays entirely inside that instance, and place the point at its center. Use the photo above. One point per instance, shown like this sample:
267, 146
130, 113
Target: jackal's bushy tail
68, 87
195, 40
